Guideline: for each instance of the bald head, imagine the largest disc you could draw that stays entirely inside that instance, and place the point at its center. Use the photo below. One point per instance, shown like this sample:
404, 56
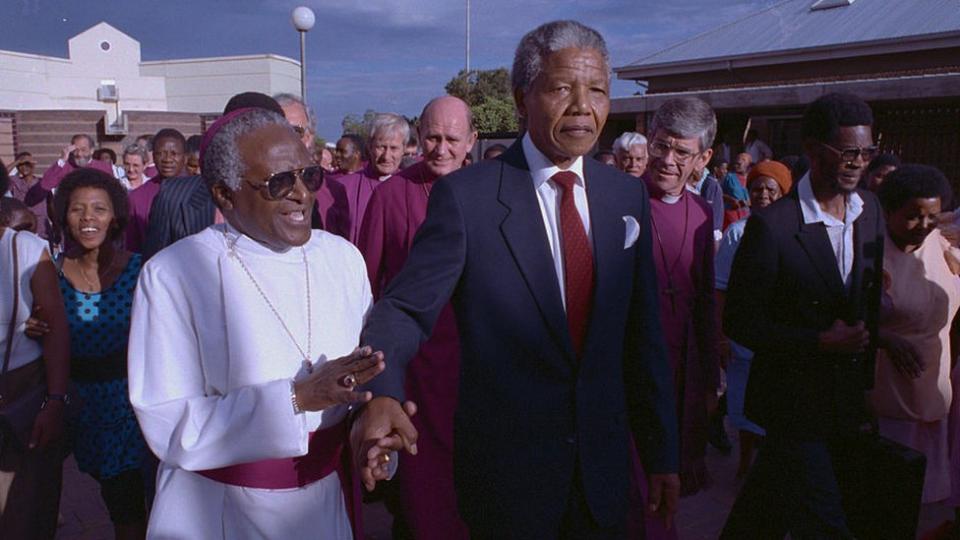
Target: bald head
446, 134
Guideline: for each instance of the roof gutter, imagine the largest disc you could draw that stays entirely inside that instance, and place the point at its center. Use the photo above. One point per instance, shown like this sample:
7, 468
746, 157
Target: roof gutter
810, 54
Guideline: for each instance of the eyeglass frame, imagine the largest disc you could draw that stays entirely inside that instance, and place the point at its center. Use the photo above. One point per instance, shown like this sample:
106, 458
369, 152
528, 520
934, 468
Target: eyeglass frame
264, 186
859, 150
669, 147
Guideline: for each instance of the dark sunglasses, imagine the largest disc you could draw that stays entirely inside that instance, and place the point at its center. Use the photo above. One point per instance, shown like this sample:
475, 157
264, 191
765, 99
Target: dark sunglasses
278, 185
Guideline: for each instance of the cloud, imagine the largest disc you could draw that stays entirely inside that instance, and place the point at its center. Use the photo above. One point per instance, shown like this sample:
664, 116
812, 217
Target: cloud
378, 54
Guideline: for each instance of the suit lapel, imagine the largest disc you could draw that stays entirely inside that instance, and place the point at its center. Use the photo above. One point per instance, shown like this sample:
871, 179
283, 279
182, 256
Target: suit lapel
525, 235
197, 210
608, 232
816, 243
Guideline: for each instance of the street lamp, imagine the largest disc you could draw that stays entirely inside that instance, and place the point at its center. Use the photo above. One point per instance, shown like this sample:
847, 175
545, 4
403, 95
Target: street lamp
303, 20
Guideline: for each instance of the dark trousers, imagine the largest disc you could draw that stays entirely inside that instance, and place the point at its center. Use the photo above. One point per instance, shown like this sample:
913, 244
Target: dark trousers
30, 482
793, 488
577, 523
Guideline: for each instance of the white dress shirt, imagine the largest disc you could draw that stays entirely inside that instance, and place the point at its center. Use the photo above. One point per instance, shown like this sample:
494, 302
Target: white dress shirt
549, 195
840, 232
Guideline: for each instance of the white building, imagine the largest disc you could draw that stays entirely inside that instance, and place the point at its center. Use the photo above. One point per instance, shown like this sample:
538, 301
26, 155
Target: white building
104, 72
103, 53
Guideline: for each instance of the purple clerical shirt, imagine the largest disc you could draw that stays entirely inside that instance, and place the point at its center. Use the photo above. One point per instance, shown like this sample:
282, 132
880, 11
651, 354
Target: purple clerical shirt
359, 187
141, 199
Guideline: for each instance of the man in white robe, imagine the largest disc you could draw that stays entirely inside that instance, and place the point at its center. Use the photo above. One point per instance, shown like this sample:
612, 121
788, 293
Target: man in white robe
222, 324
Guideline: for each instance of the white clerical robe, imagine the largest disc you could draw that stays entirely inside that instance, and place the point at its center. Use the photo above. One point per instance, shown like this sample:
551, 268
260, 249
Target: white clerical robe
210, 368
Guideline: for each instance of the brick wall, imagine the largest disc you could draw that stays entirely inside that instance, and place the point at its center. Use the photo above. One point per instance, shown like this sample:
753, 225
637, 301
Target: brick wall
45, 133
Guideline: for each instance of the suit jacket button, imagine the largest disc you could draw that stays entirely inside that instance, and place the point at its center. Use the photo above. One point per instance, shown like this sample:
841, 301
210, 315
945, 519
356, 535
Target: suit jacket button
571, 440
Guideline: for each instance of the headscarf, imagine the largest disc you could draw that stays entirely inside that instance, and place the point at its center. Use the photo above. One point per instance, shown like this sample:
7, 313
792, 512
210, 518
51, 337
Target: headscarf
774, 169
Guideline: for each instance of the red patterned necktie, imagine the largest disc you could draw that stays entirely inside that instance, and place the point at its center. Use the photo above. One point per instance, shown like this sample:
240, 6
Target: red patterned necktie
577, 262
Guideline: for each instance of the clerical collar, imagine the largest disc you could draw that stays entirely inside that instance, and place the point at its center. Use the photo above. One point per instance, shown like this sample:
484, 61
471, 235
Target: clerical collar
671, 199
542, 169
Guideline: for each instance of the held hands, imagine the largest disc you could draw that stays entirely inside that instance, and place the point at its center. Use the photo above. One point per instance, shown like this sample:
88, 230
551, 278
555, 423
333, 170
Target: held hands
842, 338
903, 355
382, 428
36, 327
664, 495
333, 382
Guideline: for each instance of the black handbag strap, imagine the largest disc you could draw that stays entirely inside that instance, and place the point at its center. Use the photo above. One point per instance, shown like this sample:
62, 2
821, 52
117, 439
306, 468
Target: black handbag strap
13, 315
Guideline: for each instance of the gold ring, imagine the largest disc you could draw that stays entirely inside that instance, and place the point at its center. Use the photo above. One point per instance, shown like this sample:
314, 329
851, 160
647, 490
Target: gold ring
386, 458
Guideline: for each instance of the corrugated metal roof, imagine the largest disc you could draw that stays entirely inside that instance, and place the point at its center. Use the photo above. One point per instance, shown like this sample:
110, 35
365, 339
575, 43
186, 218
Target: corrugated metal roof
792, 25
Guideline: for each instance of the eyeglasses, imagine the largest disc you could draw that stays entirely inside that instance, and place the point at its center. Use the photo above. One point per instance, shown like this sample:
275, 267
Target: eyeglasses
850, 155
660, 149
278, 185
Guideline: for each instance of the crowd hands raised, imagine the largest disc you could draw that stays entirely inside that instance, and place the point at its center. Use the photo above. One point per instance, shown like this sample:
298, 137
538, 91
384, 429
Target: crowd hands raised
422, 324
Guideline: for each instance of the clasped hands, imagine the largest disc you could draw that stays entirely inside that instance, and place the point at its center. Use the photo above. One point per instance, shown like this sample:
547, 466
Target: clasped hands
381, 428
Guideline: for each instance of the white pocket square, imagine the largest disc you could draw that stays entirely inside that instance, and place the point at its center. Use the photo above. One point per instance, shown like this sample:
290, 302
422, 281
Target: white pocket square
633, 232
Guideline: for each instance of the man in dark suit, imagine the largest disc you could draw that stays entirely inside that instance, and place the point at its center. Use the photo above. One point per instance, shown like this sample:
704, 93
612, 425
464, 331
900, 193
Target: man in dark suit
184, 205
804, 295
547, 258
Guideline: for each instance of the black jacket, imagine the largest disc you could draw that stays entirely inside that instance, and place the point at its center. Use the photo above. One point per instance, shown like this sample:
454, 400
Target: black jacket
785, 288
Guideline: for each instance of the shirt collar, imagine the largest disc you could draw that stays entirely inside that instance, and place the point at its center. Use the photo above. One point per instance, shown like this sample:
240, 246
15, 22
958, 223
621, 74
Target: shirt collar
542, 169
812, 213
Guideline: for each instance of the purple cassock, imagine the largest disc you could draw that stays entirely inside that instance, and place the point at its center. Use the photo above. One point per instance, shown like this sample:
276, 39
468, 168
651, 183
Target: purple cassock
425, 481
141, 199
54, 175
19, 189
683, 251
358, 187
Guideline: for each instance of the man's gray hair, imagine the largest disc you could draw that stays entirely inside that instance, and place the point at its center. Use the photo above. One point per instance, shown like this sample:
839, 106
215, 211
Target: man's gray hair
686, 118
628, 140
285, 98
389, 123
550, 38
134, 150
222, 163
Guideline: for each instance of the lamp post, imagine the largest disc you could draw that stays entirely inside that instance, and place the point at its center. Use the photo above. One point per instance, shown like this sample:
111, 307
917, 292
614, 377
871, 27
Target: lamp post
303, 20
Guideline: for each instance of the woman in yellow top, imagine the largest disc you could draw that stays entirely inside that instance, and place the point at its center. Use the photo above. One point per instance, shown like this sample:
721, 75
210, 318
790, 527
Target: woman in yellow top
912, 395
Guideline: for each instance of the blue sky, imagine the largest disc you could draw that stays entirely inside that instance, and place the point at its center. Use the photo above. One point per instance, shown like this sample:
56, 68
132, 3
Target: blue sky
386, 55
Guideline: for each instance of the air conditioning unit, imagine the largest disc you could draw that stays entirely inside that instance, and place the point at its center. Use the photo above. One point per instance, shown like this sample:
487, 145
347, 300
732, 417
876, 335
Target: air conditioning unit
108, 92
121, 126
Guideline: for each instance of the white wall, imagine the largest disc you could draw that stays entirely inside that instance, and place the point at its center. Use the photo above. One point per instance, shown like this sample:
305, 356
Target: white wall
202, 85
205, 84
39, 82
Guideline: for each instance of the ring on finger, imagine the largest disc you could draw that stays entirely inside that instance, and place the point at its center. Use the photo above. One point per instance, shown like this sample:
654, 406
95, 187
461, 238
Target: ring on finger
385, 458
348, 381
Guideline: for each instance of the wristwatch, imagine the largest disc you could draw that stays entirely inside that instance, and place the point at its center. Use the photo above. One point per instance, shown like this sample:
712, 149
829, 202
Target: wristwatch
63, 398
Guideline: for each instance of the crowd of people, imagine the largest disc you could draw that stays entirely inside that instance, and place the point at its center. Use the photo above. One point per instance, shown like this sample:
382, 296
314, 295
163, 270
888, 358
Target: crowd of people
243, 334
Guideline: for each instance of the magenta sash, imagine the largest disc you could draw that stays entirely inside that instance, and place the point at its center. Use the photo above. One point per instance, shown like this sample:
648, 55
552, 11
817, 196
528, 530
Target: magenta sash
325, 455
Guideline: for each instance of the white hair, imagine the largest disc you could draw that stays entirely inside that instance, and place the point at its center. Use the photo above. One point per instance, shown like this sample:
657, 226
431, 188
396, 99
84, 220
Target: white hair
287, 99
627, 140
389, 123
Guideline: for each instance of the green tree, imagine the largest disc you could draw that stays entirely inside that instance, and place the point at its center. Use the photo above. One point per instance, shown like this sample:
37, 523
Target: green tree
490, 97
358, 125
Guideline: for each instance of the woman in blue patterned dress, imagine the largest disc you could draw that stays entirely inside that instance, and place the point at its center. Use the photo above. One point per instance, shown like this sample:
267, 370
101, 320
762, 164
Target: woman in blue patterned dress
97, 281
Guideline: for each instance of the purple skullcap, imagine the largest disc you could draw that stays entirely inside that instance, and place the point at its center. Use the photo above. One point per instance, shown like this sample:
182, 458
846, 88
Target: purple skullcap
214, 128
